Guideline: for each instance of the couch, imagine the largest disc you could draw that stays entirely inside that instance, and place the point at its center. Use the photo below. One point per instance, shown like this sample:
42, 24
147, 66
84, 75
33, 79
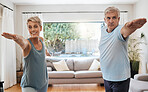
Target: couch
78, 71
139, 83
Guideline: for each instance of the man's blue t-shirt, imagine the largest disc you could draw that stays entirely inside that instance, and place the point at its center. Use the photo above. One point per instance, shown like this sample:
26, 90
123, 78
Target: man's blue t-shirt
114, 61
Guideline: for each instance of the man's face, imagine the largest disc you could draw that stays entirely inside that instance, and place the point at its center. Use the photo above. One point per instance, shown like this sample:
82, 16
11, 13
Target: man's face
112, 20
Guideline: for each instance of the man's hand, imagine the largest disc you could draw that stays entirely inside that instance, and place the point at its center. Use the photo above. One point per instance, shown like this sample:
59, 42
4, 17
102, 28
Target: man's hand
135, 24
132, 26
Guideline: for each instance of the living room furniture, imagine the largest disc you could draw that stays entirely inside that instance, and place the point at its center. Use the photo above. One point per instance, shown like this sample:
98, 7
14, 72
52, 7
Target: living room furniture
139, 83
19, 75
78, 71
1, 86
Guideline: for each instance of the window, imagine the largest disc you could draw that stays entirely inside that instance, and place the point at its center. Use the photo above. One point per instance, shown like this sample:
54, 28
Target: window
72, 38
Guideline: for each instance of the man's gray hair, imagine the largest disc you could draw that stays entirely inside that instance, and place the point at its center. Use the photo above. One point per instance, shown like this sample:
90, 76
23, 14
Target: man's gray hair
112, 9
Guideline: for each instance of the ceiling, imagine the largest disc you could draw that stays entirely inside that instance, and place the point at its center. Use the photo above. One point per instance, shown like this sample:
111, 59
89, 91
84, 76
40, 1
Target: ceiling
42, 2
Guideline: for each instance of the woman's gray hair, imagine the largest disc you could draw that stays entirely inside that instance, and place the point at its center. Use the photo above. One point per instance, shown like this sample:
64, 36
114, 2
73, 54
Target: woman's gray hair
112, 9
35, 19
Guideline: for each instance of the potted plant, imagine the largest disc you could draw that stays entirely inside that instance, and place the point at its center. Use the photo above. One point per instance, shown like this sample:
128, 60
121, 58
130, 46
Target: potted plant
134, 53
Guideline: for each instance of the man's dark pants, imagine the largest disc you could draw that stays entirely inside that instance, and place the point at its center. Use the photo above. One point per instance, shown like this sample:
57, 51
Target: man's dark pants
117, 86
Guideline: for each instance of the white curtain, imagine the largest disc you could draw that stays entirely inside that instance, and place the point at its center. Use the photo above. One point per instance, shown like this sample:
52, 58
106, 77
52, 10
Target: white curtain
25, 34
8, 51
123, 18
0, 40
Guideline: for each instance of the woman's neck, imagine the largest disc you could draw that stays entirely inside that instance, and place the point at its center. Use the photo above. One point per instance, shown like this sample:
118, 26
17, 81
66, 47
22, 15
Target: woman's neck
35, 40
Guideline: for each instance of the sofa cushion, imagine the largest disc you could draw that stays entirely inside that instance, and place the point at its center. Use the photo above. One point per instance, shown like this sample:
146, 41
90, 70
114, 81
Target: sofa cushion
50, 60
95, 66
70, 64
82, 63
138, 86
141, 77
61, 65
61, 74
49, 69
88, 74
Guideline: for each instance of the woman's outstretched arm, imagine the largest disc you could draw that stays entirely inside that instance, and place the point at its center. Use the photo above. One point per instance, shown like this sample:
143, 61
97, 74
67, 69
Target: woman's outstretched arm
20, 40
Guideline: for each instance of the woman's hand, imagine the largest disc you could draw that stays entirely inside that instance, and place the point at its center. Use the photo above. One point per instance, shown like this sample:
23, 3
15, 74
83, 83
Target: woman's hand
47, 53
9, 36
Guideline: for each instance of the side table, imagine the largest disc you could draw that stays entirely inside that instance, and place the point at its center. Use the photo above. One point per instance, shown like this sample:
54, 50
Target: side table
19, 76
1, 86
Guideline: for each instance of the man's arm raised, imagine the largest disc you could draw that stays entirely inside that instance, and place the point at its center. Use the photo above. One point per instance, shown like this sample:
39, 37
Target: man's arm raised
132, 26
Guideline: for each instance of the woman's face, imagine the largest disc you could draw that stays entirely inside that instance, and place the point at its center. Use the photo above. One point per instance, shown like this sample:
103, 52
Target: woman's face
34, 28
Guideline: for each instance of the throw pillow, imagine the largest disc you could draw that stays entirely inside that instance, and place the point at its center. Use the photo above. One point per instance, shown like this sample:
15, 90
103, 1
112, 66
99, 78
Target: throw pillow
95, 65
49, 69
61, 66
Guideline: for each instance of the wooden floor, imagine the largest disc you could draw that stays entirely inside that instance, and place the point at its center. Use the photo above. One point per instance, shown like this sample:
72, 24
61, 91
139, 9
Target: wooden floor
65, 88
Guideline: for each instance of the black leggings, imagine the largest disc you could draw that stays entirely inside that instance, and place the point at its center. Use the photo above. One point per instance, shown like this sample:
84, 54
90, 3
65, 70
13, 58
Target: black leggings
119, 86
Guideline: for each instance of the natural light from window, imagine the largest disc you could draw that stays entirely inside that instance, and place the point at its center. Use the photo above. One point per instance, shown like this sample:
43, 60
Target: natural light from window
72, 39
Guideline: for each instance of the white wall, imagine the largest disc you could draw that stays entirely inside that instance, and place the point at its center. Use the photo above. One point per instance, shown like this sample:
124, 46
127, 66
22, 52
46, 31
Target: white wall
62, 8
140, 11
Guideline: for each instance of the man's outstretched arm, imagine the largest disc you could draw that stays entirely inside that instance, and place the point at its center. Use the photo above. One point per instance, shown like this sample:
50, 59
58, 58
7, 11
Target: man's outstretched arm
132, 26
